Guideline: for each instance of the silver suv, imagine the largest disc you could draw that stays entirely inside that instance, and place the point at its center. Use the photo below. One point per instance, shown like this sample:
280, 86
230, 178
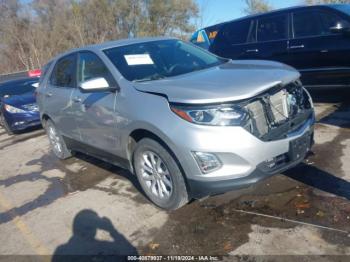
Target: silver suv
186, 122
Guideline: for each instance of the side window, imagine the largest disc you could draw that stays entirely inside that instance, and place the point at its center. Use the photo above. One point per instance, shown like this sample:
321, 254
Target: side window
44, 71
236, 32
315, 23
329, 20
272, 28
63, 75
306, 23
91, 66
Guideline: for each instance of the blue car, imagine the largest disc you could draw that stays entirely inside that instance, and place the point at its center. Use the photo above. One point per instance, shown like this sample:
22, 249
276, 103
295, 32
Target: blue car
18, 108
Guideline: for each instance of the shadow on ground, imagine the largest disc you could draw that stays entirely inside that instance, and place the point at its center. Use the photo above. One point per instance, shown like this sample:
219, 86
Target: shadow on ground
83, 245
92, 172
320, 179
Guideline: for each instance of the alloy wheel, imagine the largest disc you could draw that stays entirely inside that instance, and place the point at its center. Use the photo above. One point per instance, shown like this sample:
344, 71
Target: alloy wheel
156, 176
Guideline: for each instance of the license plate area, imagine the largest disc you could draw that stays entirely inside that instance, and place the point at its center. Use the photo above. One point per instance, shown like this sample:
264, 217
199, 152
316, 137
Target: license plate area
298, 148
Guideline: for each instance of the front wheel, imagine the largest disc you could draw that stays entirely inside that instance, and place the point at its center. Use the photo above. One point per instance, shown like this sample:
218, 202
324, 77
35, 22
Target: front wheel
6, 126
57, 142
159, 175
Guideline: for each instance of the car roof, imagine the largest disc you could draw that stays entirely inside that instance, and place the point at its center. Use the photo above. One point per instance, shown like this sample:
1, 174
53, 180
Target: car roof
116, 43
276, 11
213, 26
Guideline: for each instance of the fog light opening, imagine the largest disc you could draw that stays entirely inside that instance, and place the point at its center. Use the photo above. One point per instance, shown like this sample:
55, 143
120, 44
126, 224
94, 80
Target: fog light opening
276, 161
19, 123
207, 162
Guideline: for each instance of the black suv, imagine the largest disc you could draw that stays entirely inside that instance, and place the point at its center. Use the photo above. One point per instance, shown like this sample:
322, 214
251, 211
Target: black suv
313, 39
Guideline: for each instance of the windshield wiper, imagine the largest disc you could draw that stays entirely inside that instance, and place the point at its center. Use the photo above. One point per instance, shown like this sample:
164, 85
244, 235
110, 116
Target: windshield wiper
150, 78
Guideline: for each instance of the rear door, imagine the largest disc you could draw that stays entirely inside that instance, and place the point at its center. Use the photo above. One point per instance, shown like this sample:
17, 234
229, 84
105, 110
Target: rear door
264, 37
95, 111
58, 94
319, 54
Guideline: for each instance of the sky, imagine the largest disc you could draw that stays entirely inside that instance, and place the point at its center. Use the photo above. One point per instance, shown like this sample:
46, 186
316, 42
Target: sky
216, 11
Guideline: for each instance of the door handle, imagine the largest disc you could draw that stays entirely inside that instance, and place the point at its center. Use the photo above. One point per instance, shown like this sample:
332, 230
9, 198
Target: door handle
252, 51
77, 99
48, 94
296, 47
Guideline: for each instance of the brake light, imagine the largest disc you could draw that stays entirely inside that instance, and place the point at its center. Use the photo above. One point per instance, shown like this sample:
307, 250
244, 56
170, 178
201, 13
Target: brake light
34, 73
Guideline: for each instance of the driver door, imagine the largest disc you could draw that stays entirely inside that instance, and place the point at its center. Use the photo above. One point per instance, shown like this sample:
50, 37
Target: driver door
321, 55
95, 110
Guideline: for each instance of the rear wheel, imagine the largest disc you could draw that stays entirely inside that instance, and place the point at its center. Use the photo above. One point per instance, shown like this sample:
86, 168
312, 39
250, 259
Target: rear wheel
58, 145
159, 175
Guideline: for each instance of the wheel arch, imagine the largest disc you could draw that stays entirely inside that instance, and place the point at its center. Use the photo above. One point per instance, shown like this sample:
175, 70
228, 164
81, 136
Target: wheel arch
44, 118
138, 134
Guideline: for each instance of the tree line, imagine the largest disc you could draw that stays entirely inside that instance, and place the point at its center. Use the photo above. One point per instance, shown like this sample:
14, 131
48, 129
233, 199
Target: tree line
32, 32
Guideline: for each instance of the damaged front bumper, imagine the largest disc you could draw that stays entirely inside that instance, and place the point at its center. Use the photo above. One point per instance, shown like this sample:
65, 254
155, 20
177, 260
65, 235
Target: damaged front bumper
298, 143
250, 153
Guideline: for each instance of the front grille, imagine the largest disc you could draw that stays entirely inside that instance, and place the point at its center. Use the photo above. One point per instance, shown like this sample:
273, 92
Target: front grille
31, 107
278, 111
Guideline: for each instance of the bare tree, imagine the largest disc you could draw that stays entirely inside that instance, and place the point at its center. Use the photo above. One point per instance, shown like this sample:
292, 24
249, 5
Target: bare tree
257, 6
33, 31
203, 14
168, 17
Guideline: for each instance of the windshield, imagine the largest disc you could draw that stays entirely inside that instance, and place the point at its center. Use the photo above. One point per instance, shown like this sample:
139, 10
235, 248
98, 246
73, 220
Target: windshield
343, 8
17, 88
160, 59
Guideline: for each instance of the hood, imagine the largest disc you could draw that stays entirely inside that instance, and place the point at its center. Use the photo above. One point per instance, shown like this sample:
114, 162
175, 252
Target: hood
20, 100
232, 81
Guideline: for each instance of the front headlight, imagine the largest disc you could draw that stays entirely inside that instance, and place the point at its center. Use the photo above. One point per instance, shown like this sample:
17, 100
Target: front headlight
217, 115
13, 110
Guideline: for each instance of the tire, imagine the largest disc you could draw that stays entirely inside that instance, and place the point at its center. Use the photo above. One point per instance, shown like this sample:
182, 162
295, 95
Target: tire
57, 142
6, 126
159, 175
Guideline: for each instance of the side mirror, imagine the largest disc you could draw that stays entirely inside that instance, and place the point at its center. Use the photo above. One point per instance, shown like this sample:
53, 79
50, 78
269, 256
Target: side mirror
97, 84
340, 28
